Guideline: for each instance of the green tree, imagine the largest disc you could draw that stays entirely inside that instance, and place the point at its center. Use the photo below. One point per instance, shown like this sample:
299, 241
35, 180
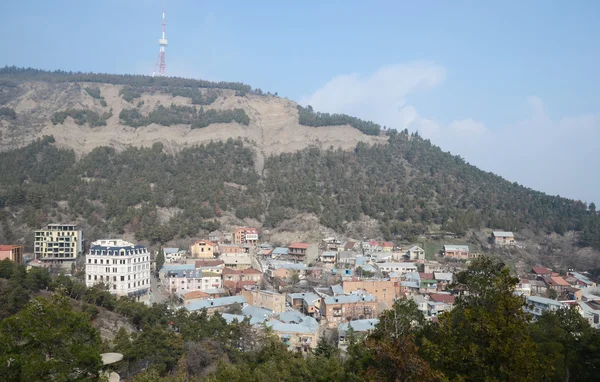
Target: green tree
486, 336
160, 260
48, 341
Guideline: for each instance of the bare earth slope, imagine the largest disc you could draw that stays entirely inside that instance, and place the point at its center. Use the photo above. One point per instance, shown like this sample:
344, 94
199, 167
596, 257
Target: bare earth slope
273, 127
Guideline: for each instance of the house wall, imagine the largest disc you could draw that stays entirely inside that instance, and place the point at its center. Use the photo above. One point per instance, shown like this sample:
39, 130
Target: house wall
264, 299
15, 254
382, 290
339, 313
202, 250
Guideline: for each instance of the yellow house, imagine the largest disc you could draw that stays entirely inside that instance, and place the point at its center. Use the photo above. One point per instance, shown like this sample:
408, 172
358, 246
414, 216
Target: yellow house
203, 249
59, 243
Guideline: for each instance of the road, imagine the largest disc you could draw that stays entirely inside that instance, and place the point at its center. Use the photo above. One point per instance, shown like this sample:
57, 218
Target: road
158, 293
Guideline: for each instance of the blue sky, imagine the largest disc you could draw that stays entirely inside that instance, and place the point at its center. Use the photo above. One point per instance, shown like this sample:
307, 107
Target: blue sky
511, 87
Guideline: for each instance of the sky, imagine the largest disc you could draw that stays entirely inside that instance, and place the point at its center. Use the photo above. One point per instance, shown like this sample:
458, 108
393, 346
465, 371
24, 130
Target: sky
511, 86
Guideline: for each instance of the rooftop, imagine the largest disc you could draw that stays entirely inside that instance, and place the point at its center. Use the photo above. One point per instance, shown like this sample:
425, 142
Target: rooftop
349, 299
442, 297
502, 234
215, 303
359, 325
299, 245
451, 247
544, 301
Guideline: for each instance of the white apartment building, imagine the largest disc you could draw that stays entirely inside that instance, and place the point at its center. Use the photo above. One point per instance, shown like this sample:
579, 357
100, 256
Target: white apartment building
58, 243
121, 265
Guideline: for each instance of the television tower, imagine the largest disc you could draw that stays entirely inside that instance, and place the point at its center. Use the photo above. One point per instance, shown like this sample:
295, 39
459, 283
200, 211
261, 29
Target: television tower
160, 61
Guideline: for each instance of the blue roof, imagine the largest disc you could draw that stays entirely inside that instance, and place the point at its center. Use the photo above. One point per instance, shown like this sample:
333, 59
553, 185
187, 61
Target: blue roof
189, 274
359, 325
410, 284
337, 289
215, 303
280, 251
349, 299
360, 260
309, 298
294, 322
543, 300
256, 315
177, 267
581, 278
168, 251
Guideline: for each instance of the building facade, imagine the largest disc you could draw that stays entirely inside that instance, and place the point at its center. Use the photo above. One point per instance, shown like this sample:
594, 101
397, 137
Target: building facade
503, 238
340, 309
456, 251
58, 243
266, 299
203, 249
12, 252
121, 265
245, 235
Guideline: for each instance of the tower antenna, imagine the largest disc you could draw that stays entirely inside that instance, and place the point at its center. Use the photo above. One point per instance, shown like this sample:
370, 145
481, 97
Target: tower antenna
159, 67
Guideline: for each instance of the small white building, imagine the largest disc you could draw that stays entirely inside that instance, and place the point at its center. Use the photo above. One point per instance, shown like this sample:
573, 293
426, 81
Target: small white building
121, 265
401, 268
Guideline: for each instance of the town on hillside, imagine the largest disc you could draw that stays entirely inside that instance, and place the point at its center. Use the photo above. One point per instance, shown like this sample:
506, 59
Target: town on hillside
303, 291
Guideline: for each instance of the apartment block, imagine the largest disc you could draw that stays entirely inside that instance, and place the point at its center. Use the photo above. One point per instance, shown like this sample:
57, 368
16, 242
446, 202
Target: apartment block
58, 243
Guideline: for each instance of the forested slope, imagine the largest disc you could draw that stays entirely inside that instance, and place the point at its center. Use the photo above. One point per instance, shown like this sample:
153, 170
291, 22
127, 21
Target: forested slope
408, 185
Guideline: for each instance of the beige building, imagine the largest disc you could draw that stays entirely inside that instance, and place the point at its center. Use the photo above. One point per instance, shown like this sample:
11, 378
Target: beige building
265, 299
340, 309
456, 251
503, 238
231, 249
383, 290
236, 260
203, 249
58, 243
415, 253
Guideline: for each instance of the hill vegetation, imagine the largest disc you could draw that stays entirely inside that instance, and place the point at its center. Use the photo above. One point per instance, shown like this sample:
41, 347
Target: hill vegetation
408, 185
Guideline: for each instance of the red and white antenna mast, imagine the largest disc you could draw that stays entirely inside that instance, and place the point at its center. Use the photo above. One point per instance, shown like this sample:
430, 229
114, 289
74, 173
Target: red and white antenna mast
160, 61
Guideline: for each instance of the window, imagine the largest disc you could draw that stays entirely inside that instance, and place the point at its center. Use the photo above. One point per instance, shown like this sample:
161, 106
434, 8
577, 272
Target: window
89, 277
122, 278
95, 277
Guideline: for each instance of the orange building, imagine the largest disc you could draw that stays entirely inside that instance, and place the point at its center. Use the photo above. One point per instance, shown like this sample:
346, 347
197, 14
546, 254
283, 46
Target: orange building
245, 235
12, 252
203, 249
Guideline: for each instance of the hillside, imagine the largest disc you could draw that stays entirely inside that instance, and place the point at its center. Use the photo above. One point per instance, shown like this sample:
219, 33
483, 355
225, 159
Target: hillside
69, 157
38, 98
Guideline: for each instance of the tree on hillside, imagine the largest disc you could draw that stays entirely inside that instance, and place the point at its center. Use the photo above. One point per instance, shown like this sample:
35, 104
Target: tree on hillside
48, 341
160, 260
486, 335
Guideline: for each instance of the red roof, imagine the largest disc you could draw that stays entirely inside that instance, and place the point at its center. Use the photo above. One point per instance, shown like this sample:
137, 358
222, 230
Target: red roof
426, 276
299, 245
349, 244
541, 271
251, 271
441, 297
556, 281
196, 294
230, 271
388, 244
8, 247
208, 263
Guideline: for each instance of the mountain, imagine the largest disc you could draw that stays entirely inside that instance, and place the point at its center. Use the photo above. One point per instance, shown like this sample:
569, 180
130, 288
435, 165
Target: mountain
167, 158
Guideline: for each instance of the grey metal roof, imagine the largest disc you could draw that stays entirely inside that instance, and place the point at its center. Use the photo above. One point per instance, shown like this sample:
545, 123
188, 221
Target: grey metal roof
215, 303
359, 325
502, 234
348, 299
451, 247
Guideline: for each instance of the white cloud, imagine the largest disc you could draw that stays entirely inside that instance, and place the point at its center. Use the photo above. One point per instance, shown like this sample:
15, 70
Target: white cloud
380, 96
557, 156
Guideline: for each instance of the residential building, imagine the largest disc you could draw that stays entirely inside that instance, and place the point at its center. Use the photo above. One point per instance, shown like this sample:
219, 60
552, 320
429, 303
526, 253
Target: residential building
383, 290
397, 267
415, 253
193, 295
387, 246
58, 243
582, 281
503, 238
235, 280
590, 310
12, 252
215, 304
307, 303
204, 249
220, 237
536, 305
556, 283
231, 249
456, 251
267, 299
245, 235
279, 251
523, 288
236, 260
173, 255
541, 271
351, 246
538, 287
299, 252
215, 266
340, 309
439, 303
297, 331
329, 257
433, 266
332, 244
121, 265
194, 280
443, 279
360, 328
